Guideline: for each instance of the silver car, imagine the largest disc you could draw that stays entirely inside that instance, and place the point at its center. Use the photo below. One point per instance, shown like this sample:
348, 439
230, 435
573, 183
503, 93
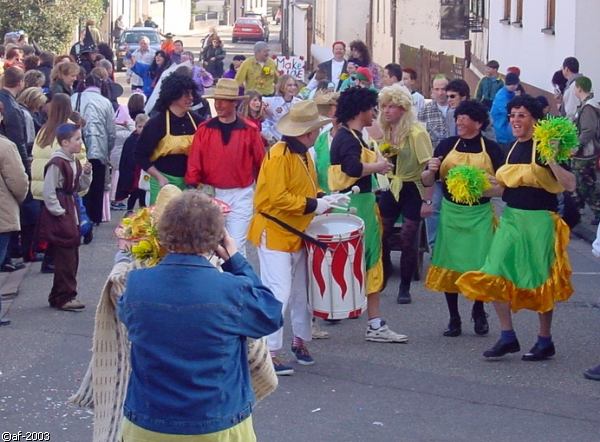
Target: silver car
129, 42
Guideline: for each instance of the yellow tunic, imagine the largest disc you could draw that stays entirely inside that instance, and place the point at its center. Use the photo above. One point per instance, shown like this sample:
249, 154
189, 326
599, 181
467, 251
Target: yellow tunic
254, 77
284, 183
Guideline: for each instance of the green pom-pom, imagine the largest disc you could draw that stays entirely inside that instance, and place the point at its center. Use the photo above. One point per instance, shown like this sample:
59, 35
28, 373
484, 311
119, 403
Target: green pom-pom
466, 184
556, 139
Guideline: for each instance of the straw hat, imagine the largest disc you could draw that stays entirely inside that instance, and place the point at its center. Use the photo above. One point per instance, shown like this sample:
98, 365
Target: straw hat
227, 89
326, 98
302, 118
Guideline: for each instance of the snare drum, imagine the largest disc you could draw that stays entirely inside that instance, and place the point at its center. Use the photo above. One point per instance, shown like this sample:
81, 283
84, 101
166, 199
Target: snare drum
336, 275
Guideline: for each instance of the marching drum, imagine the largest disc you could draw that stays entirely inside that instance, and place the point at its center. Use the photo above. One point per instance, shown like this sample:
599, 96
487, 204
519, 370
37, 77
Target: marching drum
336, 285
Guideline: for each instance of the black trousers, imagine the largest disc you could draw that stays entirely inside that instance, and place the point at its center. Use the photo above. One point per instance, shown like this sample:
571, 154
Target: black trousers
134, 196
93, 200
409, 206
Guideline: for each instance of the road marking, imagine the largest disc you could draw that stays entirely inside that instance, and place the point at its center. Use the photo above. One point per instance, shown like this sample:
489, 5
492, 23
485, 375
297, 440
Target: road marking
586, 273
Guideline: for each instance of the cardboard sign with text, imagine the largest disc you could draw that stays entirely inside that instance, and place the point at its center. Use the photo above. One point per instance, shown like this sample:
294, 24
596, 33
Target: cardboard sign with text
293, 66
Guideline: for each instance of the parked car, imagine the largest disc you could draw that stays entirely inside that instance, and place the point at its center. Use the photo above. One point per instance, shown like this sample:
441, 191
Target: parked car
249, 28
129, 42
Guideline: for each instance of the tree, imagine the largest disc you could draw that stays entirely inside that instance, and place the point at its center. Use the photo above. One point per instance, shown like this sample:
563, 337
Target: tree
50, 24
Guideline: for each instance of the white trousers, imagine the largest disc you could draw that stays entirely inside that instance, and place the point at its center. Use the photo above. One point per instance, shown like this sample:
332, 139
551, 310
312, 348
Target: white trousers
285, 274
237, 221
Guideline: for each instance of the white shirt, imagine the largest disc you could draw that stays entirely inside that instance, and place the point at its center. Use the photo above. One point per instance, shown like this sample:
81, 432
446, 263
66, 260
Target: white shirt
278, 107
443, 109
418, 101
336, 70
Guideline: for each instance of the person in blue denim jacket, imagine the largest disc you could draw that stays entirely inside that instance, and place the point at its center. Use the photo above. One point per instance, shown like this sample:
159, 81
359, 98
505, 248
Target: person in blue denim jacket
188, 323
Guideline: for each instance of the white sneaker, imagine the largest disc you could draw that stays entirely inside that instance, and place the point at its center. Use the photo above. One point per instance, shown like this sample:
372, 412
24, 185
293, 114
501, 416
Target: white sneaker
384, 334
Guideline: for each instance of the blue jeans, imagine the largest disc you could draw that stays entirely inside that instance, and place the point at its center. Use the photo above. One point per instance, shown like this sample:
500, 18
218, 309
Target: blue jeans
4, 240
431, 222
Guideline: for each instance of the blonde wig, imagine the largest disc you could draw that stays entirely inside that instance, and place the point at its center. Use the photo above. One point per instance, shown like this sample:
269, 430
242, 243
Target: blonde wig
396, 95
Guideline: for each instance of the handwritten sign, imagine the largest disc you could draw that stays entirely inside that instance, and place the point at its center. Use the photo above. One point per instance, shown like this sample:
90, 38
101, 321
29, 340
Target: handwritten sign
293, 66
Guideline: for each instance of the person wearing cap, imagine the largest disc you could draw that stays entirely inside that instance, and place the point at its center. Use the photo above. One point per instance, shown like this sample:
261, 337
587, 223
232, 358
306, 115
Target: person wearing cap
364, 78
336, 67
354, 164
489, 85
258, 73
225, 156
287, 199
162, 149
504, 134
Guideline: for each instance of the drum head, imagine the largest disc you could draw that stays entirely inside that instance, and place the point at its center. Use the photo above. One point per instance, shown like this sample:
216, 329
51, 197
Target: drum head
335, 225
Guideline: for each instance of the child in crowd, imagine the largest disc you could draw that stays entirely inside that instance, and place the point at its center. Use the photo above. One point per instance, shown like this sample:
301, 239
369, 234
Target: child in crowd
252, 109
124, 126
59, 222
129, 170
350, 81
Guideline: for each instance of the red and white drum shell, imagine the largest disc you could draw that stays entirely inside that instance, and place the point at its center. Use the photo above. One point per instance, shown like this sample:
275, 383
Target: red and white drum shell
336, 275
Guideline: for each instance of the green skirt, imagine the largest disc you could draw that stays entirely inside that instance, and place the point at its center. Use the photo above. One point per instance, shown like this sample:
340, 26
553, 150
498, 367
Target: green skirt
527, 265
155, 186
368, 211
463, 239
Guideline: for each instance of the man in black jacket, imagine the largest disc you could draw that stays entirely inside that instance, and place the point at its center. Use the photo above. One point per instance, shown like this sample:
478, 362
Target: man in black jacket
337, 65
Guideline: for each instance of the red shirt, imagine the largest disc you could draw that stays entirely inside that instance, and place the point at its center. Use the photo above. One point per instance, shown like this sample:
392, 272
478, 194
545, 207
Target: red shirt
222, 163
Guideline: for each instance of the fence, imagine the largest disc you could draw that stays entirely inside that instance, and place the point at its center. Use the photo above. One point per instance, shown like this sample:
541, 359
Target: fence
428, 64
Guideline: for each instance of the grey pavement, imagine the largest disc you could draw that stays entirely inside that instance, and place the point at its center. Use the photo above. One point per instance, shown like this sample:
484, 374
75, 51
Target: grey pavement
431, 389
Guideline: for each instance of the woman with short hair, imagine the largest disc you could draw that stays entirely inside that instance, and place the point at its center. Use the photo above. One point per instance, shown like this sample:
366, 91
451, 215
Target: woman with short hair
527, 266
165, 141
63, 76
465, 231
202, 386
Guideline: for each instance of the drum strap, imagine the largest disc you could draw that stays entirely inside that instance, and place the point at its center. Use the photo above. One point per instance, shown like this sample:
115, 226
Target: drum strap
295, 231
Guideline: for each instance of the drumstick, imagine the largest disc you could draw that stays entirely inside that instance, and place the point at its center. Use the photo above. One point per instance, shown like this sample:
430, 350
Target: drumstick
354, 189
345, 209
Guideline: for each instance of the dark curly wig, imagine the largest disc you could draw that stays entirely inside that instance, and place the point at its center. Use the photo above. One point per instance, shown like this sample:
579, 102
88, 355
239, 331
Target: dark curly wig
353, 101
475, 111
173, 88
528, 102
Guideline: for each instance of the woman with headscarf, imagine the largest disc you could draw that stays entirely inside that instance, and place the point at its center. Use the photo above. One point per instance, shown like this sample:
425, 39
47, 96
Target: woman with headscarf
164, 143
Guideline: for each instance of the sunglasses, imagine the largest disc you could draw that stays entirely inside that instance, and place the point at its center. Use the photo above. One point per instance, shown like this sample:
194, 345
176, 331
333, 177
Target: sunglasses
518, 115
451, 95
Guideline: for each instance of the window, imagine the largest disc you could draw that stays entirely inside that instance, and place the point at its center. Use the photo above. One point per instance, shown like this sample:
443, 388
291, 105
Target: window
550, 17
519, 15
506, 16
477, 8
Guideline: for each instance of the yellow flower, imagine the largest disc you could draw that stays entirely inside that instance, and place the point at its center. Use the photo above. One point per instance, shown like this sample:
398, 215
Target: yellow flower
344, 76
266, 70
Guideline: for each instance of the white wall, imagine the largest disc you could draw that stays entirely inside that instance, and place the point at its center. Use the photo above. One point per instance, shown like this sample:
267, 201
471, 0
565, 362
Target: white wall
587, 40
298, 44
537, 54
344, 20
176, 16
383, 51
419, 25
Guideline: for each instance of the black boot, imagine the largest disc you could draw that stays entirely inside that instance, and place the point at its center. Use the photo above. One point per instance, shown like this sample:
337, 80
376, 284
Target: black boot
404, 294
480, 323
454, 327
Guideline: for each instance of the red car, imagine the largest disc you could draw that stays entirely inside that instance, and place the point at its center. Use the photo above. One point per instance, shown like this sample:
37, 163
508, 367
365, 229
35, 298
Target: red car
249, 28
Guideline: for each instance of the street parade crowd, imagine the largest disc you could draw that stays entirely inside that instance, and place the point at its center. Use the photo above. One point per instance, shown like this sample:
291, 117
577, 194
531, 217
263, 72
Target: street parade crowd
324, 178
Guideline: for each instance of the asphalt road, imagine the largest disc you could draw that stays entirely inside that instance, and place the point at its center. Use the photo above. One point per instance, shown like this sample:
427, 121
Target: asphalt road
431, 389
